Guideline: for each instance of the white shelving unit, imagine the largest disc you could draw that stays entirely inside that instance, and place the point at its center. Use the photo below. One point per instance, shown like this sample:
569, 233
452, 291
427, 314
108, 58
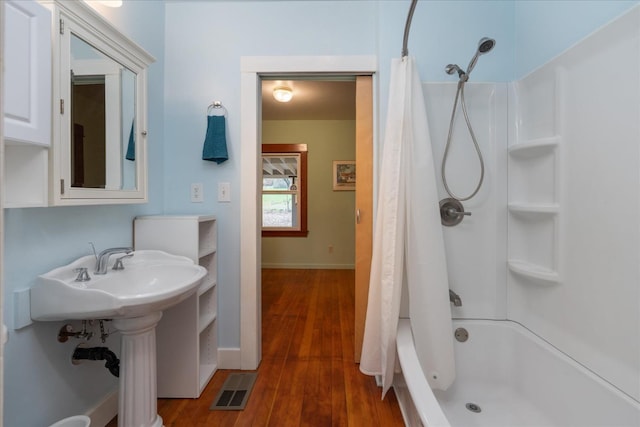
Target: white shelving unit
187, 333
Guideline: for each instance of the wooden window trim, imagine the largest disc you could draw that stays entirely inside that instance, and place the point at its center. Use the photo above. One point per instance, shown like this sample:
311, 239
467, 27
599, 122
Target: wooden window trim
293, 149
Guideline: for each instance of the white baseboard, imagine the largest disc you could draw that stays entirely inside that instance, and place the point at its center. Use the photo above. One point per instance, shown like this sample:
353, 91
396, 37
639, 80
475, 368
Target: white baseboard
229, 358
103, 412
310, 266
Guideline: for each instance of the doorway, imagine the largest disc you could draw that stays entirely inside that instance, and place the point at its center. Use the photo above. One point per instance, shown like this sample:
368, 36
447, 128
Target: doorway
253, 70
307, 221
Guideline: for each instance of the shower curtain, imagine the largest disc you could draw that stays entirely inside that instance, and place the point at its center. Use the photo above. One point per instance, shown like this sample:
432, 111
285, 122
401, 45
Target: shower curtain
408, 245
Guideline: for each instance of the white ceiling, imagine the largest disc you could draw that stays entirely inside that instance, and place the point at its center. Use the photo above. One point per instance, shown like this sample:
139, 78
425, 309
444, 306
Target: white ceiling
312, 100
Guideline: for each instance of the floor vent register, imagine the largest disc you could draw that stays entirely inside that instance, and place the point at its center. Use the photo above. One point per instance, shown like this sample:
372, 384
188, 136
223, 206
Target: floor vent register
235, 392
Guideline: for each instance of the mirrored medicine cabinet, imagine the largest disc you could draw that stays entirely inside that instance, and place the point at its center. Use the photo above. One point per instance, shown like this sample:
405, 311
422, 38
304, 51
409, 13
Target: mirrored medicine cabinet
99, 111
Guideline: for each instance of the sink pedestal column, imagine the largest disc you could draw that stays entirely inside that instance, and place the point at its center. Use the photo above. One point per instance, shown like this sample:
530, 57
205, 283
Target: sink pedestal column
138, 397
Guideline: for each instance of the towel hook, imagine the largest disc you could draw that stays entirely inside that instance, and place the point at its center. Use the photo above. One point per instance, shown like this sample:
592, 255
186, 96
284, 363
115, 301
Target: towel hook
216, 109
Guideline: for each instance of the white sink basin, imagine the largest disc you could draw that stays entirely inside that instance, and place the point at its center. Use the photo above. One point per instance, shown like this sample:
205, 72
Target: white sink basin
151, 281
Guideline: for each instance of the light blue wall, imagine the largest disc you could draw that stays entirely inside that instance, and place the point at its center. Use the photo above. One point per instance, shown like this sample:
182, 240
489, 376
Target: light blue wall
445, 32
198, 46
544, 29
207, 68
219, 33
205, 41
41, 385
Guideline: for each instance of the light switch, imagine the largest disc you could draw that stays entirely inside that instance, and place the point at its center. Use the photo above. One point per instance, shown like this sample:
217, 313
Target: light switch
224, 192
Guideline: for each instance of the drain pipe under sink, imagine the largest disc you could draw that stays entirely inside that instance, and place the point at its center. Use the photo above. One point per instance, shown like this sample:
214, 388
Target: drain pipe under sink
97, 353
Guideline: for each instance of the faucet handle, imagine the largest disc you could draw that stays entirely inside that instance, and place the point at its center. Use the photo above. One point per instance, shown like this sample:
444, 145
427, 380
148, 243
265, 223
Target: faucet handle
118, 265
83, 274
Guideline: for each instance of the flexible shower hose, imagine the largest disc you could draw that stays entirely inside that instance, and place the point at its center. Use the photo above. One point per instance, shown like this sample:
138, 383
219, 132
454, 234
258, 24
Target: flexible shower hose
460, 94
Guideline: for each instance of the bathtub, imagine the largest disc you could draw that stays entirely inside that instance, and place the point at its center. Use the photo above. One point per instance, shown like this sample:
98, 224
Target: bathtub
507, 376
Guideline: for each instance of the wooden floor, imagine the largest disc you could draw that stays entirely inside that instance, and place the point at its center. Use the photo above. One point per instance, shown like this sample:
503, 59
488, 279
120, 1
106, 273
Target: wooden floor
307, 376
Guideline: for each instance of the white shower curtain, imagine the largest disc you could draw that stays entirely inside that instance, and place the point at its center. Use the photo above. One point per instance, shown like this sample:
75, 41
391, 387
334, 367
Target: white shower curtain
408, 246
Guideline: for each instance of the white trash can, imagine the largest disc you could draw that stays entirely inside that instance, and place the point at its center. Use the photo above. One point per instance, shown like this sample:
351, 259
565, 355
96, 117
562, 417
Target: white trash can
75, 421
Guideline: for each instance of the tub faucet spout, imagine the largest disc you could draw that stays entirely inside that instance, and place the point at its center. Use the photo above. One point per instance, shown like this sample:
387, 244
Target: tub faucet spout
455, 299
102, 262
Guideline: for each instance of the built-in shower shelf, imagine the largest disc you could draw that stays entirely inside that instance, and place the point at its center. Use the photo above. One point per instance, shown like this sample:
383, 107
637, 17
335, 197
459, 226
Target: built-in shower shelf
533, 209
534, 147
533, 271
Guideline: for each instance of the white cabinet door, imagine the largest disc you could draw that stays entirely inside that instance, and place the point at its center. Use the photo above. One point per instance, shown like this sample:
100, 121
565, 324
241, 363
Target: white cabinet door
27, 84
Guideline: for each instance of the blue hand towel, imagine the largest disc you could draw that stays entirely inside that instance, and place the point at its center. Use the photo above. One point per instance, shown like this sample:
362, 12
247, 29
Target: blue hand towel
215, 142
131, 148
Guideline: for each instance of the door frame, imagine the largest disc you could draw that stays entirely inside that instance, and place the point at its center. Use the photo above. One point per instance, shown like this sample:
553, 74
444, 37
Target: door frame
252, 69
3, 333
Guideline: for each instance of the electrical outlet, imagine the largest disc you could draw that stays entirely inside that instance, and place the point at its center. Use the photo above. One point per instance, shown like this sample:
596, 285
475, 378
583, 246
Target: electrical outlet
224, 192
197, 195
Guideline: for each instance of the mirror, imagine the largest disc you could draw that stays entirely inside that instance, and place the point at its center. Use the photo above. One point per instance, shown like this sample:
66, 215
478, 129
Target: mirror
99, 155
102, 120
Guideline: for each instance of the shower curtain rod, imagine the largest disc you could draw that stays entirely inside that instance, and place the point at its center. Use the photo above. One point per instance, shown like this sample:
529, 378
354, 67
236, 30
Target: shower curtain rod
407, 26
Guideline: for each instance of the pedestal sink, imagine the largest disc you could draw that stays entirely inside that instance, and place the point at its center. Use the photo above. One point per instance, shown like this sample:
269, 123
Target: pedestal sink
134, 298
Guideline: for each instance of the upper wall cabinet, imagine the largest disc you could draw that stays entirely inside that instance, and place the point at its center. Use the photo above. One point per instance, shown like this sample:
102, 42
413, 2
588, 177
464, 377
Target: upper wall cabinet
27, 102
98, 154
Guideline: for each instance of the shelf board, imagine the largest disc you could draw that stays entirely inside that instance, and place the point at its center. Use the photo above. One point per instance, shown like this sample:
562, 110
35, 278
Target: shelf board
533, 271
206, 251
205, 320
534, 147
17, 143
534, 208
204, 287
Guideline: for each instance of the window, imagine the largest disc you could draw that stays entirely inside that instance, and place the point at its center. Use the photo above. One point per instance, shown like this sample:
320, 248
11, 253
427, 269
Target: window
284, 190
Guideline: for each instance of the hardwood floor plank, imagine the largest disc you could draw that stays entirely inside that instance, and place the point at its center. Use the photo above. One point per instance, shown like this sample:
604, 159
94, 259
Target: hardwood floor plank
316, 404
288, 408
307, 376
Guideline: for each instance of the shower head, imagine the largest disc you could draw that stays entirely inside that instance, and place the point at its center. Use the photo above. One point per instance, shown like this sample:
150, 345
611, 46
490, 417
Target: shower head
484, 46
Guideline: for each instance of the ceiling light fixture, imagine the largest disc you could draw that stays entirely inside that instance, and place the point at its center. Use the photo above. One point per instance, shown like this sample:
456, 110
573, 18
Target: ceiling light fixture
283, 94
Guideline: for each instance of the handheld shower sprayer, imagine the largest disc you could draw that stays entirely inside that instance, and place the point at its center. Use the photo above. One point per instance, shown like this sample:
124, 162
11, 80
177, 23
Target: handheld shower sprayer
485, 45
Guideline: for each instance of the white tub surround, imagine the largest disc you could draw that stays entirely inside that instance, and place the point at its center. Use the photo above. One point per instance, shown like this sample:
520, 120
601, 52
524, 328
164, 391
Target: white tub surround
476, 249
574, 203
553, 243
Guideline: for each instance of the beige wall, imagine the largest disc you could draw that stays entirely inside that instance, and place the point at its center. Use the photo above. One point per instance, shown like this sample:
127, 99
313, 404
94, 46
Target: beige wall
330, 213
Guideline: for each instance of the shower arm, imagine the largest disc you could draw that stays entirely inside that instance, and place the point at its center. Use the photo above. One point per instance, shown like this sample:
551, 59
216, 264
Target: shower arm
407, 27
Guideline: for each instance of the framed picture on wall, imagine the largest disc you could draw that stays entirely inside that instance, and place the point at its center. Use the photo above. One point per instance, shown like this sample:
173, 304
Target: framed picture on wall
344, 175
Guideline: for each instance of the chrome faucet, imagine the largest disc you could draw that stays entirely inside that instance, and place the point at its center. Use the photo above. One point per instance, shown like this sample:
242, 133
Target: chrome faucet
455, 299
102, 262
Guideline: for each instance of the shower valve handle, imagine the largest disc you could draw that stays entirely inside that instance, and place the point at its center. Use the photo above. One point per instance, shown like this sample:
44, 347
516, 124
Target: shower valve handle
452, 212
